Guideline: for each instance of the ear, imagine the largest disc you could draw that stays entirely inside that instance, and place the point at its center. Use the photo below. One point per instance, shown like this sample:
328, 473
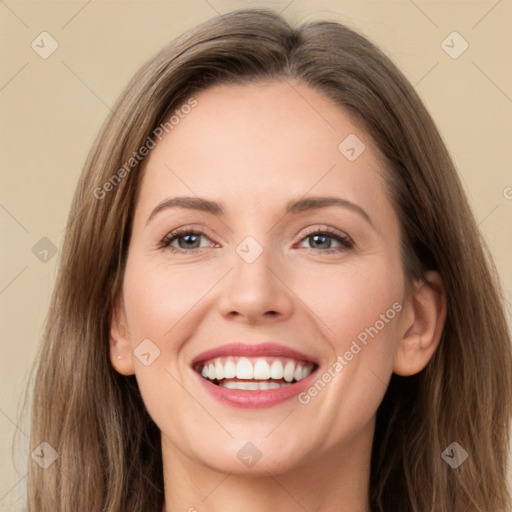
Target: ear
121, 355
423, 322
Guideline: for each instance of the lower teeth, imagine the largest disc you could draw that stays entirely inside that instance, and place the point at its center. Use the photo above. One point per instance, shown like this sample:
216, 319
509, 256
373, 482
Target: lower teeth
253, 385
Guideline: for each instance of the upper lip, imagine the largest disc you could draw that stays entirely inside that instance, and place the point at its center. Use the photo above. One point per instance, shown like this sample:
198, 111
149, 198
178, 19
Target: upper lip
267, 348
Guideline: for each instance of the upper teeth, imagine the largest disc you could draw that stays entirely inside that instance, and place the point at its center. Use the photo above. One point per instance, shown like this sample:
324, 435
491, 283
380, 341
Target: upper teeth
258, 368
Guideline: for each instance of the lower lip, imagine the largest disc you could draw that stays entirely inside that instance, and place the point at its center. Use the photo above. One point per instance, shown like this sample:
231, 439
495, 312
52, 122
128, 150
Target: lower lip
255, 399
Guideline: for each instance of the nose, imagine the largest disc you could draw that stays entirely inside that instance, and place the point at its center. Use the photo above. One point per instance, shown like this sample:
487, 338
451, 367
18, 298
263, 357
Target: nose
256, 292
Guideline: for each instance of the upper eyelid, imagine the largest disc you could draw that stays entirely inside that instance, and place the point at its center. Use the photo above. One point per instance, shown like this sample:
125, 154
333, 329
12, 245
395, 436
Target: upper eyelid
328, 230
187, 229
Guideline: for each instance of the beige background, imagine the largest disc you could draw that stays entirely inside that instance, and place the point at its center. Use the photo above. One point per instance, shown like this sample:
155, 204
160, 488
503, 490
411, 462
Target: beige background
51, 109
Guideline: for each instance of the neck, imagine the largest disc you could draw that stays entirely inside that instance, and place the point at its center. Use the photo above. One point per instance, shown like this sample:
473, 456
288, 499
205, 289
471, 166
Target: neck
335, 481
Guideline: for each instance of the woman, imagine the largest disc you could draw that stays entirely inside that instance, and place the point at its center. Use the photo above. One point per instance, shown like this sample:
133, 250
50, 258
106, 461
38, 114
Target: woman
257, 369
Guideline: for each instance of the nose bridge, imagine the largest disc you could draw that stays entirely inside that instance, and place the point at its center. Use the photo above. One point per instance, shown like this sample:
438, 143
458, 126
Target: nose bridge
253, 289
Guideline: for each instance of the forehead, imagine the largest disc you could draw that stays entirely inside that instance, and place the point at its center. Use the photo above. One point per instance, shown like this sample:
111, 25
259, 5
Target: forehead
258, 143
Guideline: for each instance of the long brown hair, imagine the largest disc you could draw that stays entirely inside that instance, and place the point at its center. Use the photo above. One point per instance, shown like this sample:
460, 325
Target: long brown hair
109, 453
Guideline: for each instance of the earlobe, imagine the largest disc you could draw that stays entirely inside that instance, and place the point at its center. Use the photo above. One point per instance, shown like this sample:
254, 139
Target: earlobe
421, 334
121, 356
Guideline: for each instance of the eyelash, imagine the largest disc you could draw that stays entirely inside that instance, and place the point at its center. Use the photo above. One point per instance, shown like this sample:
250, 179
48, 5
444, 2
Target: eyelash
345, 241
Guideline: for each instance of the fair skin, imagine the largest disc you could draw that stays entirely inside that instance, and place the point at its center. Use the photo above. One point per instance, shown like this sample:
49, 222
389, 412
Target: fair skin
315, 455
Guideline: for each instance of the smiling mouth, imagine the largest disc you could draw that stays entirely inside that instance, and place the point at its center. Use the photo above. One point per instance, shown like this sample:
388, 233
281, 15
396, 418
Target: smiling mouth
254, 373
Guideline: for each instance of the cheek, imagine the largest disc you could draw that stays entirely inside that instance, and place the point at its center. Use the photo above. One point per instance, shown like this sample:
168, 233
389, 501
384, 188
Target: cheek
360, 308
352, 297
162, 305
158, 299
364, 307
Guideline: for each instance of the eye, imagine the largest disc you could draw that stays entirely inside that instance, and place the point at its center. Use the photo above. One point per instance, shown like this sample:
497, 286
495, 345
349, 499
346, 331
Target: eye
323, 240
186, 239
190, 239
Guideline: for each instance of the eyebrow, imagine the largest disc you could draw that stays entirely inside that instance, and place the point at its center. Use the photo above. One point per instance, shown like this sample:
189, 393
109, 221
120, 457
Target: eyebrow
294, 206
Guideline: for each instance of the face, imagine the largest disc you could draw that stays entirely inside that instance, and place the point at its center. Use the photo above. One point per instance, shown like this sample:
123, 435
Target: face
292, 272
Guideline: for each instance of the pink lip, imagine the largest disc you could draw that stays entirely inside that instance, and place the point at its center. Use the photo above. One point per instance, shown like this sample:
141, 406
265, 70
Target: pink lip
261, 349
258, 398
255, 399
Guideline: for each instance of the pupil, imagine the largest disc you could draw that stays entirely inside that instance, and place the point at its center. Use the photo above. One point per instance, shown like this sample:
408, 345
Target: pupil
323, 240
189, 238
324, 237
